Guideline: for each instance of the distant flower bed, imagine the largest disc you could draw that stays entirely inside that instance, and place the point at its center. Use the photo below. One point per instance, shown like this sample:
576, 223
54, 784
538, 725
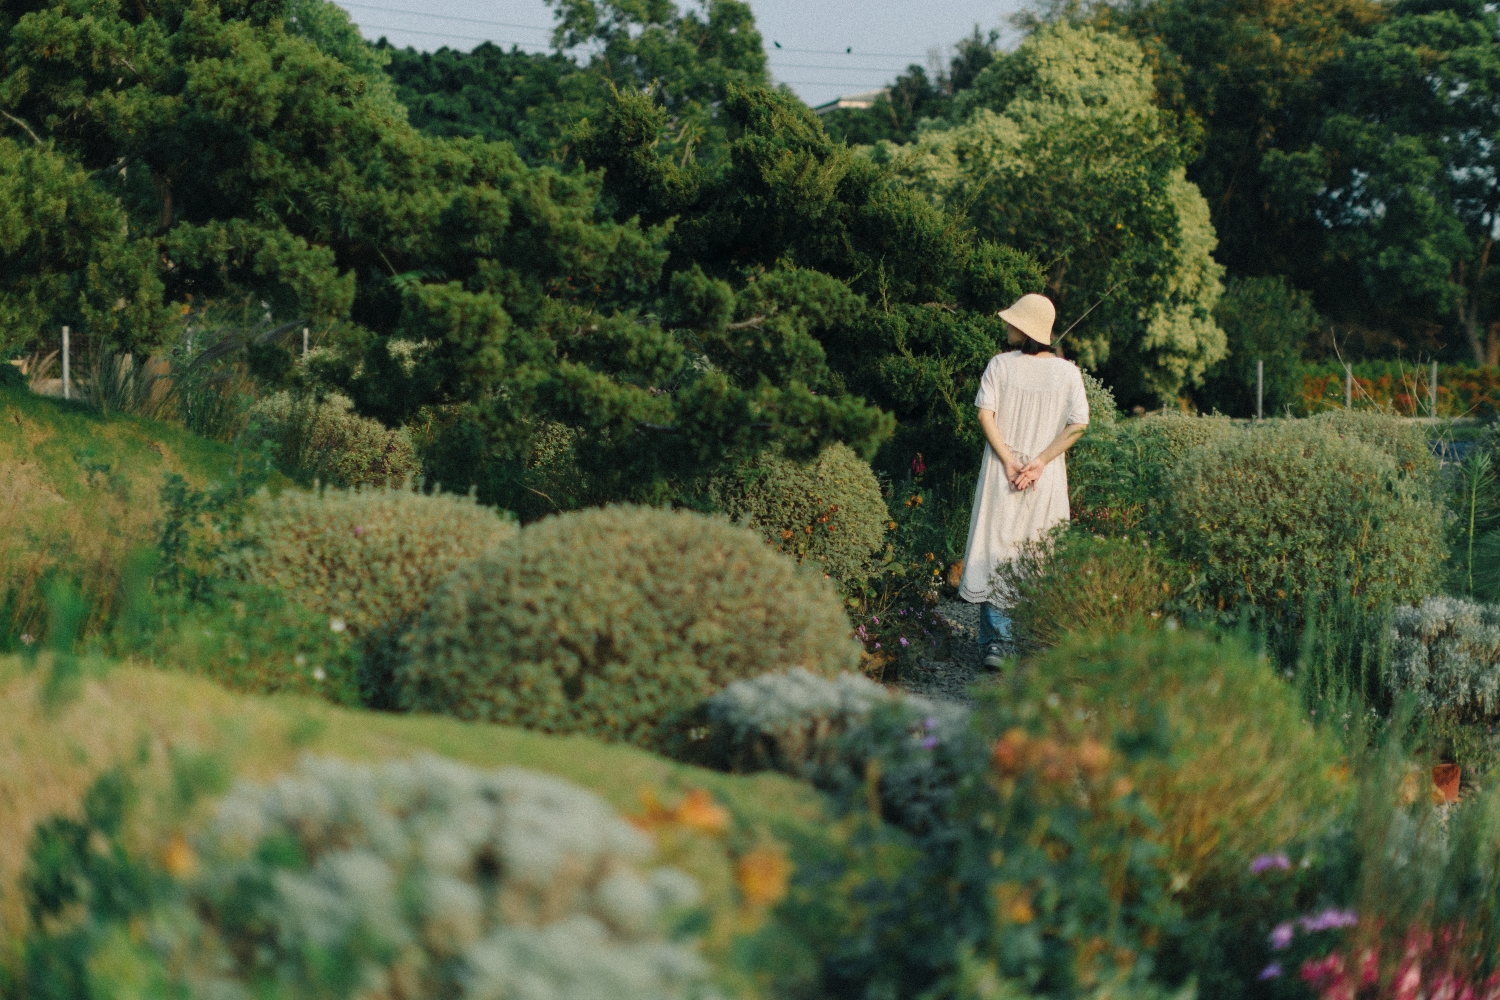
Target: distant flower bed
1463, 390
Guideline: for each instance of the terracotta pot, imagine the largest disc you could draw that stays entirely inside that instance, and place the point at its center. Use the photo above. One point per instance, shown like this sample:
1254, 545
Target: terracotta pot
1445, 783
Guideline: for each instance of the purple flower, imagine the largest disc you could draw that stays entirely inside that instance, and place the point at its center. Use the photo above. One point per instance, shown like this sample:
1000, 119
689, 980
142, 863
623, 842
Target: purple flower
1268, 861
359, 531
875, 620
1271, 971
1330, 919
877, 645
1281, 935
903, 642
928, 742
929, 723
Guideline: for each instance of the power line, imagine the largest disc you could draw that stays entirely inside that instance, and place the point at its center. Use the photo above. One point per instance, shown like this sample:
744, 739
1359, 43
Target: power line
847, 52
857, 69
445, 17
439, 34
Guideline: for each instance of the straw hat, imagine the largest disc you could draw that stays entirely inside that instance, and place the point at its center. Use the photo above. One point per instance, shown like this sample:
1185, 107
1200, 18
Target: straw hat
1032, 314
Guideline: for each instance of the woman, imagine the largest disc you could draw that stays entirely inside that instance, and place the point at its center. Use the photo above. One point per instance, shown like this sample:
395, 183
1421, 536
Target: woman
1032, 407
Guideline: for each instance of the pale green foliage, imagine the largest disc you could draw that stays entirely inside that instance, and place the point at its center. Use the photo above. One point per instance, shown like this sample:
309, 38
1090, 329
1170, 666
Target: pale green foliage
1291, 510
370, 557
790, 721
827, 513
1182, 336
426, 879
324, 440
1404, 442
1103, 410
1060, 150
615, 620
1447, 651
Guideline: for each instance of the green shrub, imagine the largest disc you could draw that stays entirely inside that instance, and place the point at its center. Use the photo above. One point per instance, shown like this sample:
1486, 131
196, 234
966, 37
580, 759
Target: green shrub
1243, 771
1289, 511
322, 439
1103, 412
1447, 653
369, 558
1116, 473
1403, 441
1076, 582
1264, 319
613, 621
423, 879
828, 513
259, 640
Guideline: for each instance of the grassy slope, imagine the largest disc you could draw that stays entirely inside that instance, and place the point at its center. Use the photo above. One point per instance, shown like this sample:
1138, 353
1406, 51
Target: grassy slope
79, 491
47, 760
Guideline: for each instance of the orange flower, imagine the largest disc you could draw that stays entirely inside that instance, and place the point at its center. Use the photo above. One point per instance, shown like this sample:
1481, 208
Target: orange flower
762, 875
178, 858
1008, 750
698, 811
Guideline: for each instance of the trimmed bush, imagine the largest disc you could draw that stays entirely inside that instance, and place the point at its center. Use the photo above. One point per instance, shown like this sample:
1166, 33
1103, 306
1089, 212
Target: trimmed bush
423, 879
1076, 582
369, 558
828, 513
613, 621
1447, 653
322, 439
1404, 442
1289, 511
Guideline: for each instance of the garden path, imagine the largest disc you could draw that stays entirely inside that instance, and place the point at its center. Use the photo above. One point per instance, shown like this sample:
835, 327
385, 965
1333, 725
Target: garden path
949, 679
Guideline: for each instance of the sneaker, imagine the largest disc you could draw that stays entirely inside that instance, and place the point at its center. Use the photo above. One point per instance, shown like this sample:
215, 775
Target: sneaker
994, 656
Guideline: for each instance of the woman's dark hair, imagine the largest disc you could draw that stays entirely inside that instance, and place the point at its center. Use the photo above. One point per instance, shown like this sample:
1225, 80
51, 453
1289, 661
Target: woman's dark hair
1029, 346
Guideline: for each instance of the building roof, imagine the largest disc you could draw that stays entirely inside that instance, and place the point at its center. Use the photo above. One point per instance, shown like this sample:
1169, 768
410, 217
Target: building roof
865, 100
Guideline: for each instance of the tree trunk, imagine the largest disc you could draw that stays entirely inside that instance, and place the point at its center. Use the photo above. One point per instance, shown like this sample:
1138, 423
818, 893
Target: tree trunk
1492, 344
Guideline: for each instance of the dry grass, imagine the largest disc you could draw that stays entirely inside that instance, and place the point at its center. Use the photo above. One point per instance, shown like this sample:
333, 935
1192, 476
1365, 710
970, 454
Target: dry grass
47, 760
79, 492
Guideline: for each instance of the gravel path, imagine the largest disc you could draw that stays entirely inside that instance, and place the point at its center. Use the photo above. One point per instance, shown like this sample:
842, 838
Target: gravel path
950, 679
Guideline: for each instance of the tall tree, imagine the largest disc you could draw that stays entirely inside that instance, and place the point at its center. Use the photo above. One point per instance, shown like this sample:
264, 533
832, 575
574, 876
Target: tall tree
1405, 171
1059, 149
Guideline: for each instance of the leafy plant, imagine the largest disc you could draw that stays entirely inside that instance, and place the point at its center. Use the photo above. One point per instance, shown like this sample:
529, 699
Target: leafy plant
1446, 654
617, 621
1076, 583
320, 439
828, 513
1291, 510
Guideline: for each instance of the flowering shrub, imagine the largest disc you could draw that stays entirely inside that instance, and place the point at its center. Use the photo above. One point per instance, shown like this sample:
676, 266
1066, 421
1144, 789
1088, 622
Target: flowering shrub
615, 621
419, 879
1074, 581
1392, 387
1291, 510
1447, 653
828, 513
370, 558
322, 439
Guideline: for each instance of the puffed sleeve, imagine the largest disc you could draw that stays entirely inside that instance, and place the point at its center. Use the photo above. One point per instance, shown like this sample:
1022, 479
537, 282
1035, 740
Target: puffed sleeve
1078, 400
989, 385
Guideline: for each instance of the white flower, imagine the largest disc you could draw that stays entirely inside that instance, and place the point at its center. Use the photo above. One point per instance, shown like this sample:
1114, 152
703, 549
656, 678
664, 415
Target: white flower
300, 660
318, 674
336, 625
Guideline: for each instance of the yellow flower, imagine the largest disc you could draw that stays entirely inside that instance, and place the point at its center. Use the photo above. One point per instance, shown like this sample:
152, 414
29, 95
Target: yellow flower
698, 811
178, 858
762, 875
1013, 903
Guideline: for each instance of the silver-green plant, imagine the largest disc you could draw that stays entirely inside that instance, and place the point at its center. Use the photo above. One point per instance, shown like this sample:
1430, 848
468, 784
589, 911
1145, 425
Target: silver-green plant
427, 879
1446, 652
322, 438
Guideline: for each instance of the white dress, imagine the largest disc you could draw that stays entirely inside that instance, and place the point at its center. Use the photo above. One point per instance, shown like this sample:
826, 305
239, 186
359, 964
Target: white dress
1033, 398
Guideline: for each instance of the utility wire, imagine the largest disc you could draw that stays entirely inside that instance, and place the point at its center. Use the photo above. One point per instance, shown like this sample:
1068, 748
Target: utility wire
440, 34
444, 17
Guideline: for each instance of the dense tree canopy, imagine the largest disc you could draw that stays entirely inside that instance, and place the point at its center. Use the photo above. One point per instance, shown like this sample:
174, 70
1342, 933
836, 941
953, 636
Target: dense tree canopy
1065, 154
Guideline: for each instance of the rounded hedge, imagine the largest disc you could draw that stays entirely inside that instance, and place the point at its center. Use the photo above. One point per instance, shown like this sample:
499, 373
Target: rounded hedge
1290, 510
1403, 441
828, 513
368, 559
615, 621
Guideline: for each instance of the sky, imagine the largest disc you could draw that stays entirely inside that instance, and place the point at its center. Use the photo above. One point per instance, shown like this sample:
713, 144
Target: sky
828, 49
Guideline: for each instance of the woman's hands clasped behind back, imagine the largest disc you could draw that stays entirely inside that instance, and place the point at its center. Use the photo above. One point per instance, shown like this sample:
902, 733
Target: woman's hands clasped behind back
1026, 476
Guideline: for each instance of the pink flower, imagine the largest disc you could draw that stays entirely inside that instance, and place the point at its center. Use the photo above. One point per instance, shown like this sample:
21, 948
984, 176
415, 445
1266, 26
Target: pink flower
359, 531
1328, 920
1266, 862
1281, 935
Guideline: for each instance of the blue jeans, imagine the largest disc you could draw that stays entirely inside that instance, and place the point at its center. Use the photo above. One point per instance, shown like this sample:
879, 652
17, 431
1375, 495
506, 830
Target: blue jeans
994, 625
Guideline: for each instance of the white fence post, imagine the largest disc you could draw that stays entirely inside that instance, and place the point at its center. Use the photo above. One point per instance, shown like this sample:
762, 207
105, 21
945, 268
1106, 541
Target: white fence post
304, 341
67, 386
1260, 389
1348, 387
1432, 391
